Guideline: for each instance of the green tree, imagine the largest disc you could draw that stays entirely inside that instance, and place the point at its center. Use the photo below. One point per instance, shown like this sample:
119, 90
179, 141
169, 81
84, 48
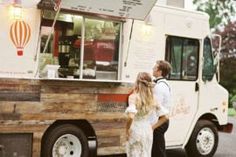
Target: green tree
228, 57
220, 11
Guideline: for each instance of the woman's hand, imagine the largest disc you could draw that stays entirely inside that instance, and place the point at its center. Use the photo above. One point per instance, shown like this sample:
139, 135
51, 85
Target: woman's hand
161, 120
153, 127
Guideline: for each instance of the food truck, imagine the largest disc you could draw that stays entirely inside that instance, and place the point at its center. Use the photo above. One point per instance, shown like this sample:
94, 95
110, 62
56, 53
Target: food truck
67, 68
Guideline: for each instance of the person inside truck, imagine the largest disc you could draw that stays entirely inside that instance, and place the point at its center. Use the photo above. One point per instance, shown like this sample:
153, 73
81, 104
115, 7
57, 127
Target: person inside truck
162, 92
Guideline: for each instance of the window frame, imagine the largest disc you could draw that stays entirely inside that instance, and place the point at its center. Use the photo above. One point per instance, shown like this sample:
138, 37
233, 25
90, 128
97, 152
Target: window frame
212, 58
168, 56
83, 30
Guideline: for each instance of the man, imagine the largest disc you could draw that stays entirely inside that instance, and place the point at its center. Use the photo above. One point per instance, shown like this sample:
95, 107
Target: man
162, 92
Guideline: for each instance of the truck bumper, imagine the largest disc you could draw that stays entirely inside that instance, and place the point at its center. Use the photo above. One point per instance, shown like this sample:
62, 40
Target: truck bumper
92, 143
227, 128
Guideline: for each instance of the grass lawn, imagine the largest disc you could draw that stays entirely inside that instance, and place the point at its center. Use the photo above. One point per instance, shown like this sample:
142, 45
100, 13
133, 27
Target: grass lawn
232, 112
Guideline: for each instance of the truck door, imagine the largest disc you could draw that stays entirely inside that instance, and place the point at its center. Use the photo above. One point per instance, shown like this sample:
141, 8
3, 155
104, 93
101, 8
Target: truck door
211, 97
183, 54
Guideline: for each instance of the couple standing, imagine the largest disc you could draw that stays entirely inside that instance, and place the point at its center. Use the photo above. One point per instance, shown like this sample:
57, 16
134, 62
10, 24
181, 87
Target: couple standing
147, 112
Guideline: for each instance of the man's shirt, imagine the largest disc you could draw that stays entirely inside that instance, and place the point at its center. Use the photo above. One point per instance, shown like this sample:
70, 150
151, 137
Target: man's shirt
162, 92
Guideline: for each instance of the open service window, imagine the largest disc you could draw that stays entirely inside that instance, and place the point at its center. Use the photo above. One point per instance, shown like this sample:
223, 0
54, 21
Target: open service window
80, 47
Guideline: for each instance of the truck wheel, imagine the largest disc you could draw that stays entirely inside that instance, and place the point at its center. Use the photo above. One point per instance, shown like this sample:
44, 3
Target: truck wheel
65, 141
203, 141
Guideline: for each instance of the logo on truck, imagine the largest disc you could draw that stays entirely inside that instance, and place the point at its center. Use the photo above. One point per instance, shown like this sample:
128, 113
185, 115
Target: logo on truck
20, 33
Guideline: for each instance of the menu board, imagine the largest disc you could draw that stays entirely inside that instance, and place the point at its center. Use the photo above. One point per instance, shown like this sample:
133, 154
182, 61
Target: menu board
134, 9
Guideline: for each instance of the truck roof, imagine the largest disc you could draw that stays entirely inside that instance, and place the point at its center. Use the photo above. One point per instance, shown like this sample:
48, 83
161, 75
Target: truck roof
199, 14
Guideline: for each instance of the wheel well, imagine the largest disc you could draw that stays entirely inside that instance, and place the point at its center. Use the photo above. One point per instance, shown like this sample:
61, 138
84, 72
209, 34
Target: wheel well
195, 146
84, 125
208, 116
211, 118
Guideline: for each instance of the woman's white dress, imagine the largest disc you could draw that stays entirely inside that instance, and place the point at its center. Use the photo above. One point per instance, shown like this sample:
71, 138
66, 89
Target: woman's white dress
141, 133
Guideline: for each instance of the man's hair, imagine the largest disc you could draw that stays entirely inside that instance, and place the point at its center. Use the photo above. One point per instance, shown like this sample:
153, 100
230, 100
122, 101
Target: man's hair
164, 66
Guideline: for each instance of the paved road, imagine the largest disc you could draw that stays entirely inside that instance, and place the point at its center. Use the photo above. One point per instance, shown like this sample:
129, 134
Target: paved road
226, 147
227, 142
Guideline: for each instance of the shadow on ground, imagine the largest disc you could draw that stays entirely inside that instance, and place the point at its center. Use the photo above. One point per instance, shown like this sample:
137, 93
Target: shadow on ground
170, 153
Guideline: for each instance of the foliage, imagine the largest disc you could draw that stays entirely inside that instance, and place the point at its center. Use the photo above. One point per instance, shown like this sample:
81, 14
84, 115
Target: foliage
220, 11
228, 58
228, 34
231, 112
233, 99
228, 74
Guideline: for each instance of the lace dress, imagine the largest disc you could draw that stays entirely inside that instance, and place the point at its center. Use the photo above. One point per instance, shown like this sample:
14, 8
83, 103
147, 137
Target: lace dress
141, 133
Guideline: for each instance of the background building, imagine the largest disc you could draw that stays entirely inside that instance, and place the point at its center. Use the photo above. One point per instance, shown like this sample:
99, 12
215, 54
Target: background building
188, 4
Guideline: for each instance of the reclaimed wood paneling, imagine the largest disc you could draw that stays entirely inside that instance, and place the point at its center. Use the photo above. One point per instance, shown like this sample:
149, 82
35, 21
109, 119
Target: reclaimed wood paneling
68, 97
108, 141
10, 116
33, 105
113, 97
125, 89
23, 126
88, 116
20, 107
100, 125
16, 90
111, 137
111, 150
37, 136
109, 132
111, 107
71, 107
68, 89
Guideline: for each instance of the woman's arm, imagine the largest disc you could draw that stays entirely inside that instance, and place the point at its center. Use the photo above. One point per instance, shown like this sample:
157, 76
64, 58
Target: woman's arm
131, 111
161, 120
128, 124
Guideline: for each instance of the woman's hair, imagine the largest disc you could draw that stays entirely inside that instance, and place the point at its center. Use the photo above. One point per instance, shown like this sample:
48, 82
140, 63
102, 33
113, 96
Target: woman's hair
144, 89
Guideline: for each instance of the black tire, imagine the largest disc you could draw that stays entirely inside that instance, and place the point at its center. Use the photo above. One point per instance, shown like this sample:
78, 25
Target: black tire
204, 129
58, 133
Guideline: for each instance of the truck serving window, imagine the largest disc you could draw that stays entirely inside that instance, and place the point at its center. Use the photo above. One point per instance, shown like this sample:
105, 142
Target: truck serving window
183, 54
80, 47
208, 66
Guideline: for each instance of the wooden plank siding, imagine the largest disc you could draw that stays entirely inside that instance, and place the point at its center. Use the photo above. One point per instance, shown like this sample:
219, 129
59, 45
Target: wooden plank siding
31, 106
17, 91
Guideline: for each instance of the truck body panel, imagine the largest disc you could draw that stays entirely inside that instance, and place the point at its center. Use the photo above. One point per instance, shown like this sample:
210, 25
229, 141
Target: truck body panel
31, 103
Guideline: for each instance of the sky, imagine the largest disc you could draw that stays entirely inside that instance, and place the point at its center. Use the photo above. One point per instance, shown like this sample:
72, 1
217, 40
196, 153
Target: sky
189, 4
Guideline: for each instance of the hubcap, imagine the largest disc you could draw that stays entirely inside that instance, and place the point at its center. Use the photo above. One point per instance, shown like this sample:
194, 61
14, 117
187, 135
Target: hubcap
205, 141
67, 145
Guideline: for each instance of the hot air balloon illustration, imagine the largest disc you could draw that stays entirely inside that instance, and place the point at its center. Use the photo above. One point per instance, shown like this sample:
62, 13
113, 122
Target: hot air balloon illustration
20, 34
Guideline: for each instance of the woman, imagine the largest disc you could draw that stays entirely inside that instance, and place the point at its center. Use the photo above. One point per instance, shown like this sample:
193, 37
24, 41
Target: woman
141, 113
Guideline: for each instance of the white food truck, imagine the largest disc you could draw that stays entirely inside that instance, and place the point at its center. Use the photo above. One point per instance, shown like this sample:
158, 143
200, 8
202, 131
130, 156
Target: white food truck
67, 68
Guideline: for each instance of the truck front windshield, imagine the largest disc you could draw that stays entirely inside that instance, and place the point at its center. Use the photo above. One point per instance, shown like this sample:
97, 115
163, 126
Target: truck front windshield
208, 65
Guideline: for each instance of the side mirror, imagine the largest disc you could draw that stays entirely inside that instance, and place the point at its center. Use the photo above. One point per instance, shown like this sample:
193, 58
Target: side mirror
216, 46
